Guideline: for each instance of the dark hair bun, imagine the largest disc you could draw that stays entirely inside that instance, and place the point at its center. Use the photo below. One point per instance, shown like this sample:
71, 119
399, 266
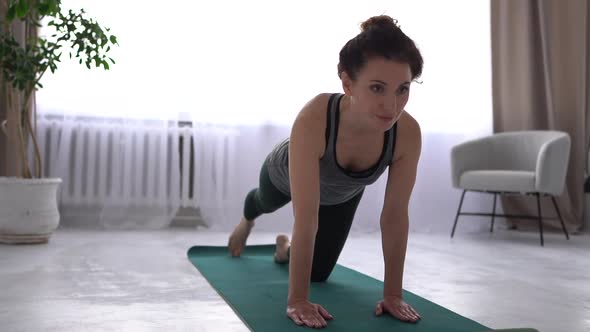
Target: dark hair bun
381, 21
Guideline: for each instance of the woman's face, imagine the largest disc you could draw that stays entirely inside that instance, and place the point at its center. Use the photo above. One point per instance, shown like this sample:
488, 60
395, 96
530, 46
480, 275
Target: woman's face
380, 91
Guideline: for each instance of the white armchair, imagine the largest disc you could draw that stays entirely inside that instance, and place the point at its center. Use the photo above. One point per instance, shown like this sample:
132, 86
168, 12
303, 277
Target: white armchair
519, 162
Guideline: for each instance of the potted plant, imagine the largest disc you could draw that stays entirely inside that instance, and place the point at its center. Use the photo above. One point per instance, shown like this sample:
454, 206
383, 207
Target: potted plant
28, 201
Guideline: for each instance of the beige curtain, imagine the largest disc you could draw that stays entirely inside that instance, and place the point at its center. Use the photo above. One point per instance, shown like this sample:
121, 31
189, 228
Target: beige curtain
541, 80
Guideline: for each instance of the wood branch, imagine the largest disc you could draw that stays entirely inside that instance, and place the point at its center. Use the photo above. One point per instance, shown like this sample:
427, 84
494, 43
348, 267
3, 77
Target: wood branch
37, 154
19, 108
22, 140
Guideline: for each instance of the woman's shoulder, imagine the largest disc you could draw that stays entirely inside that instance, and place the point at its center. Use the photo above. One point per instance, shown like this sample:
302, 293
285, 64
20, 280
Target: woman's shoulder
409, 125
312, 115
316, 106
408, 137
311, 122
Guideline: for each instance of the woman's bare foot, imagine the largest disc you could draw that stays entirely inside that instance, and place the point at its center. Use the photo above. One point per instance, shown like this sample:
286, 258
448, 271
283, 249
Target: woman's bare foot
282, 251
237, 239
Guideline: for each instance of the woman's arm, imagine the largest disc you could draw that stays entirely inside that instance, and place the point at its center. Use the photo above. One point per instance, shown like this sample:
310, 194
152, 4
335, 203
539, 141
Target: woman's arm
394, 217
304, 177
306, 146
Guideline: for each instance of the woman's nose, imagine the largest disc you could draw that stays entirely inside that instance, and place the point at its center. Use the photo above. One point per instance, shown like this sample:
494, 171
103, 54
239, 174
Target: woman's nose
390, 104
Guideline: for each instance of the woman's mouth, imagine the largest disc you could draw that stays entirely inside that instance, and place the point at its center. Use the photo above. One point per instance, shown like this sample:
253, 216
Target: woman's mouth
385, 118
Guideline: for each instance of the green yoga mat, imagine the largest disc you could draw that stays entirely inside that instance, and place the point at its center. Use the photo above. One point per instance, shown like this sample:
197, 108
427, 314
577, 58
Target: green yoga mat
256, 288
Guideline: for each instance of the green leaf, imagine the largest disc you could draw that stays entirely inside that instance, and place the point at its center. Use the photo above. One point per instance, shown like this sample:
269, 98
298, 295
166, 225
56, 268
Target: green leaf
22, 8
113, 39
106, 65
113, 61
43, 8
54, 6
10, 15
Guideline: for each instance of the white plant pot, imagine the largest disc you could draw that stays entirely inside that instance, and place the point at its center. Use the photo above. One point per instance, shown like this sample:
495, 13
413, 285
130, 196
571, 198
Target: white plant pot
28, 210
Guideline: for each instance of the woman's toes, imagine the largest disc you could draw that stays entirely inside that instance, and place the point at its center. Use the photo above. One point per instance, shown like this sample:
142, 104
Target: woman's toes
282, 248
282, 239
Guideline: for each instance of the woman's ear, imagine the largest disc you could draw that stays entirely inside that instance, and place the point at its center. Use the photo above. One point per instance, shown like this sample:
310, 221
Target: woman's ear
346, 83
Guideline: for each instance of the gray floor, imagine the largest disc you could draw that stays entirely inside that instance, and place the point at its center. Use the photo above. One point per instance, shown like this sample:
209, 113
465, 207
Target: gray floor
142, 281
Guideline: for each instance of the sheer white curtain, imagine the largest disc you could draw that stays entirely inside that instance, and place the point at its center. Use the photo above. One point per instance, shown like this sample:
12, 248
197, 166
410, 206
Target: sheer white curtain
250, 66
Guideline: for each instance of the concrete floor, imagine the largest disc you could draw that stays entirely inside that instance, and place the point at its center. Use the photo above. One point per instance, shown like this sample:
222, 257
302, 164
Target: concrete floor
87, 280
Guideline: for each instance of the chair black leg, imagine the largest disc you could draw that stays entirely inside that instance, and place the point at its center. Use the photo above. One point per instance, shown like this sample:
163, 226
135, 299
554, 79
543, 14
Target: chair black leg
458, 211
560, 219
493, 214
540, 216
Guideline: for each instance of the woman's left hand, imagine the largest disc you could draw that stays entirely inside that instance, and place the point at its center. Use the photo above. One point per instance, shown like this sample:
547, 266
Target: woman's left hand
398, 309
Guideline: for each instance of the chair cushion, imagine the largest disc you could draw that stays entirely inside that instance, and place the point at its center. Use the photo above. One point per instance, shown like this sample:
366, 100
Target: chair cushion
498, 180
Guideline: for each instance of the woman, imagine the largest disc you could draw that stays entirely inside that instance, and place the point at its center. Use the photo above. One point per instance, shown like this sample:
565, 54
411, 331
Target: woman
340, 143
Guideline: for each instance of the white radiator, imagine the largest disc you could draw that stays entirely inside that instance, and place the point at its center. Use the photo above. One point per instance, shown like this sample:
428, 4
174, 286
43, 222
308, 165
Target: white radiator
142, 165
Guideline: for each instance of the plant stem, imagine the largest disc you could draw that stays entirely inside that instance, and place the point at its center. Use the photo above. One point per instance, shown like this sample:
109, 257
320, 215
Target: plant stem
27, 105
36, 147
21, 144
38, 160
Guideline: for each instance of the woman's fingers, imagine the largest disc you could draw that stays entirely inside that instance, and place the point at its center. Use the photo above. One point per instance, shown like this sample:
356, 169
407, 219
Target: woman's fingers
415, 312
313, 320
403, 312
325, 314
307, 320
400, 313
296, 319
412, 313
397, 313
320, 320
409, 316
316, 323
379, 309
308, 314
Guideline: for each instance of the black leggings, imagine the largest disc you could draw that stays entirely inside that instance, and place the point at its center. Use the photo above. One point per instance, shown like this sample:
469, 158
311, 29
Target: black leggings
334, 222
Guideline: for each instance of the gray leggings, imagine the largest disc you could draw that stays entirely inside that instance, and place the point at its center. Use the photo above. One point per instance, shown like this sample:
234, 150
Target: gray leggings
334, 222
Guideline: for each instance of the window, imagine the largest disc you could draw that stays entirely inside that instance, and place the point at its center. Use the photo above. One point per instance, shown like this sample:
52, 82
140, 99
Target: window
256, 62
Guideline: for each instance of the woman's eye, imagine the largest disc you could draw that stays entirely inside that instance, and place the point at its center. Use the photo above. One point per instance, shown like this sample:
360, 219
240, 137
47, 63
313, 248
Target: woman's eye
402, 90
377, 88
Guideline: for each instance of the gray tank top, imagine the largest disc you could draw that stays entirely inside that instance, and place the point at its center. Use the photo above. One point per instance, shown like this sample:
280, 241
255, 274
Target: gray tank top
337, 185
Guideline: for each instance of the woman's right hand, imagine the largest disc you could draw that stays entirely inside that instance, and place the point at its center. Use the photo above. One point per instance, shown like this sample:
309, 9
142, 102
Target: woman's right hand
309, 314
